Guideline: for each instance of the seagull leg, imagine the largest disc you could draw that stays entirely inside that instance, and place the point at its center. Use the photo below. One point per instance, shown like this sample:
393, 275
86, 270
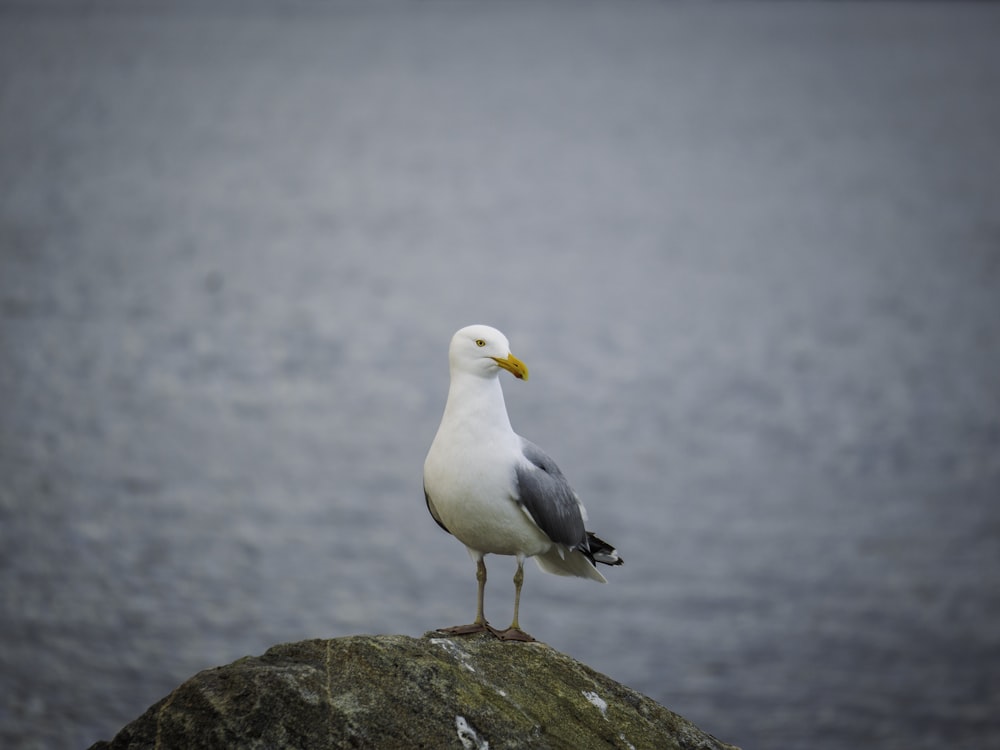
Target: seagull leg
481, 592
479, 625
514, 632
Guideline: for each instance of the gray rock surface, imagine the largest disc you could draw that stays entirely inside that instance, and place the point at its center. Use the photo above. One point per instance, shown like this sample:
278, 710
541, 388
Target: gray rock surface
471, 692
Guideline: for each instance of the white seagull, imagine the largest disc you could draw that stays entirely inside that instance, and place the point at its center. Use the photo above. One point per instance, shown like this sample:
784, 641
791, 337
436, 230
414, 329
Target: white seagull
497, 492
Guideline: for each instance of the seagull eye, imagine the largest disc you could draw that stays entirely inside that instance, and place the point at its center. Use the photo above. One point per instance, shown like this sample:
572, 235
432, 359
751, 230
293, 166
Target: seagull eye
480, 342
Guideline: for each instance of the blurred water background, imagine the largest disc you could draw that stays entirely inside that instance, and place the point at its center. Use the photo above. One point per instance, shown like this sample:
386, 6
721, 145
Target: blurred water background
749, 250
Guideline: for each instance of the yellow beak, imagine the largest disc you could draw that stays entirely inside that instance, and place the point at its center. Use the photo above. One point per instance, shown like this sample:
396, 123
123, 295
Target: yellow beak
514, 366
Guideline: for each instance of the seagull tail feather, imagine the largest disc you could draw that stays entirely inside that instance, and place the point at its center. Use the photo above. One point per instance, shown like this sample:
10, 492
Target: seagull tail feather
568, 563
581, 560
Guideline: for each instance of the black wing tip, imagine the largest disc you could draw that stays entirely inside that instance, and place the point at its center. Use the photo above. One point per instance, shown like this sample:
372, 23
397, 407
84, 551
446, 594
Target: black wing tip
599, 551
430, 509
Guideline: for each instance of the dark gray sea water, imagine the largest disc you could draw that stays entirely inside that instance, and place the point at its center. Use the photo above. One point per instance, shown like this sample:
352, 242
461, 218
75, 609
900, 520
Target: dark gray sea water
749, 250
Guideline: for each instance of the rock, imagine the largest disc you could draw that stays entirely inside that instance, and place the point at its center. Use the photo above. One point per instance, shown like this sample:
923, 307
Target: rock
468, 692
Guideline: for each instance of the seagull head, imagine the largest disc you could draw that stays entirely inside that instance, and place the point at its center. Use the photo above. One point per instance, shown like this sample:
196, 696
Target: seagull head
484, 351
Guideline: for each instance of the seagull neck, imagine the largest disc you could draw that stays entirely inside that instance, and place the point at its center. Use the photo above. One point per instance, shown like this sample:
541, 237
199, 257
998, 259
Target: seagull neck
475, 397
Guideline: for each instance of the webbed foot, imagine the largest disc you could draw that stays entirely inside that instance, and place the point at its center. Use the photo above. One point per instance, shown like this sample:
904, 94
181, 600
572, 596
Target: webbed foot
512, 634
467, 629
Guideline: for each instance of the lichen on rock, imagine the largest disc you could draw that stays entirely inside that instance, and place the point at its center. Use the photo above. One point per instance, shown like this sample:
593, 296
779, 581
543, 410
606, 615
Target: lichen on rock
469, 692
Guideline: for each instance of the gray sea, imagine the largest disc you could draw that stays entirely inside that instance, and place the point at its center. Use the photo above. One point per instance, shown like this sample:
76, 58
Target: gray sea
749, 250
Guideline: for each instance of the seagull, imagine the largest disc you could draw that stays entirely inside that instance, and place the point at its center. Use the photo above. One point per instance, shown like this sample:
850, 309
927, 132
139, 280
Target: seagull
496, 492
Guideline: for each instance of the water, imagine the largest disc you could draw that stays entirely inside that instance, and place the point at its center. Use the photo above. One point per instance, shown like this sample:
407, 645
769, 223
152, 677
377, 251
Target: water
750, 252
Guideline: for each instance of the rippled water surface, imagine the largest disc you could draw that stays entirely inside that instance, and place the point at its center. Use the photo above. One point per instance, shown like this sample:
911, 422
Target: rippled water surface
750, 252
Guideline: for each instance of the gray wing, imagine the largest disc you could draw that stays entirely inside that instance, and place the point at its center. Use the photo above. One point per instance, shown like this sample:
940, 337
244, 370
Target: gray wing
544, 492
